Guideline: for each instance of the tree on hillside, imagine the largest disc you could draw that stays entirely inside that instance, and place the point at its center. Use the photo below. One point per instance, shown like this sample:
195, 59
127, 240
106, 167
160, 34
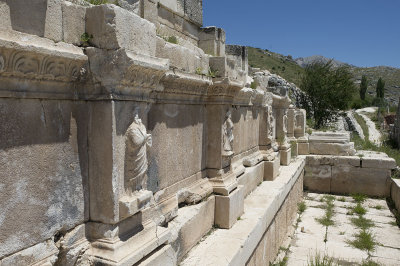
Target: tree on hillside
328, 90
380, 88
363, 87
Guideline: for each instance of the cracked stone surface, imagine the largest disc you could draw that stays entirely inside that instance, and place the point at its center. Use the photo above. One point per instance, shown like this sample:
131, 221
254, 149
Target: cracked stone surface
309, 237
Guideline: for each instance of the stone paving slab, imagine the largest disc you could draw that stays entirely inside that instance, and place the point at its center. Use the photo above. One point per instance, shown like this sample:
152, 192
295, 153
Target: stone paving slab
310, 235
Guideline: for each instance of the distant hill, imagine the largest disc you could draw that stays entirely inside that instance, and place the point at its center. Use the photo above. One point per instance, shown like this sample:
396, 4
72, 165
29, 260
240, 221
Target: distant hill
305, 61
276, 63
292, 70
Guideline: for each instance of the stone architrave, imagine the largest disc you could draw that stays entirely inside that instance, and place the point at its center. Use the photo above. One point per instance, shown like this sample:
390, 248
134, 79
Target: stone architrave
135, 180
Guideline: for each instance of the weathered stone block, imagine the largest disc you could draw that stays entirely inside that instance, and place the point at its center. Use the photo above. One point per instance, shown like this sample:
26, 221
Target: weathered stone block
271, 169
190, 225
113, 27
285, 156
187, 60
395, 192
303, 148
44, 253
73, 247
212, 41
368, 181
319, 160
380, 163
354, 161
45, 19
5, 16
165, 256
43, 161
73, 22
252, 177
229, 208
318, 178
341, 149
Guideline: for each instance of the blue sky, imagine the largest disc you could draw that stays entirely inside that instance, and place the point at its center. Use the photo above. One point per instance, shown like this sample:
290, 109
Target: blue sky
359, 32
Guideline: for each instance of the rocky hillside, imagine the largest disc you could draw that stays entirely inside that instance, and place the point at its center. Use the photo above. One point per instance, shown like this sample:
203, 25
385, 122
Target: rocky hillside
275, 63
292, 69
304, 61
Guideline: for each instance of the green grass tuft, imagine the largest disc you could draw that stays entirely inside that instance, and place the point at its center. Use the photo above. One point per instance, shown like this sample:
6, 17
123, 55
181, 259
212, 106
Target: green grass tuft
364, 240
362, 222
359, 209
282, 262
301, 207
319, 260
359, 198
369, 263
342, 199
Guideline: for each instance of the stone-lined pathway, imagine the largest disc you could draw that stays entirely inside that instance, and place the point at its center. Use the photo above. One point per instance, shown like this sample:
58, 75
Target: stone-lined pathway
311, 237
374, 134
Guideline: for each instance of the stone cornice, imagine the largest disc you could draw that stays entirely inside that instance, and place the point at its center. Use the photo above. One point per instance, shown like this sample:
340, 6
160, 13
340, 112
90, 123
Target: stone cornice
27, 57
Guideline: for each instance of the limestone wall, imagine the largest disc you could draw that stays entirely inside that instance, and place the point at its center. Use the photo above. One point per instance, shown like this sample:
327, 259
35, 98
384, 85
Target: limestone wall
368, 174
116, 140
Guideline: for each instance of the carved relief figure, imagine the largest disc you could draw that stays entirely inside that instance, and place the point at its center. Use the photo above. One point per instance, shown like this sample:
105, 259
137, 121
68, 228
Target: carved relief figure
285, 122
227, 129
270, 124
137, 142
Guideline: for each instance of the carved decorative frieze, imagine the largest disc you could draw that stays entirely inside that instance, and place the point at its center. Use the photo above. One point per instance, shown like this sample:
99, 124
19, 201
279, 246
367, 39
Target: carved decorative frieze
38, 66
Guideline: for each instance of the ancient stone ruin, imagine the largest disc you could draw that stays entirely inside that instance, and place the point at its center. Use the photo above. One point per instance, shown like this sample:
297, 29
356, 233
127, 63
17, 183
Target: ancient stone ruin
130, 136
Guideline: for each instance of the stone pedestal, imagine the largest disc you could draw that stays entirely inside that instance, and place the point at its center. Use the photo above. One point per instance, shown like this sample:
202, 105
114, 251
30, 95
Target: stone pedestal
285, 156
291, 122
271, 167
303, 148
229, 208
117, 247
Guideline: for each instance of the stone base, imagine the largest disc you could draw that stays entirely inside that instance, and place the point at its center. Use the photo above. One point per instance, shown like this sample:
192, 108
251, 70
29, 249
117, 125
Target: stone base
285, 156
225, 184
129, 250
165, 256
129, 205
191, 224
303, 148
271, 169
229, 208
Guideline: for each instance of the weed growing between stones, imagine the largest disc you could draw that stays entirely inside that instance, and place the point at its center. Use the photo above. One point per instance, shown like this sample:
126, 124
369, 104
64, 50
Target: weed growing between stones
319, 260
359, 209
362, 222
301, 206
85, 39
359, 198
378, 207
342, 199
369, 263
282, 262
326, 220
364, 240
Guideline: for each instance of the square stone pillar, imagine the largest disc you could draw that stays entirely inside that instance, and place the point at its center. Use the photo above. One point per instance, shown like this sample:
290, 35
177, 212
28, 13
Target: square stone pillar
212, 41
291, 122
280, 107
220, 149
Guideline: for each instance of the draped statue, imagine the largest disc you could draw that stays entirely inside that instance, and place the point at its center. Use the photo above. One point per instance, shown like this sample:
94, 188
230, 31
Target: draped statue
137, 142
227, 130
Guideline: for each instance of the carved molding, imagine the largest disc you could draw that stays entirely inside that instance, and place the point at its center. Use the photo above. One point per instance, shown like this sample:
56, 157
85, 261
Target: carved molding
31, 65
